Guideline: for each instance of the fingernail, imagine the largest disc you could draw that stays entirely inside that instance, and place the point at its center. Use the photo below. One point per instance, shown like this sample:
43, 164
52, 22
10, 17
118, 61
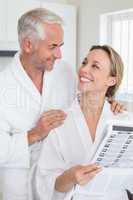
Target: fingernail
98, 166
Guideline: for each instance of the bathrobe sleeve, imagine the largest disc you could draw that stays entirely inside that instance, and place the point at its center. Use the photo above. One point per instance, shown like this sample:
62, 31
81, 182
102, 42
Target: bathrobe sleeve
51, 164
14, 151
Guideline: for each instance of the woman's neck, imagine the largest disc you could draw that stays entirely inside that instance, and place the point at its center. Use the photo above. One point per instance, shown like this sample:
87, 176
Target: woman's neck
92, 103
92, 106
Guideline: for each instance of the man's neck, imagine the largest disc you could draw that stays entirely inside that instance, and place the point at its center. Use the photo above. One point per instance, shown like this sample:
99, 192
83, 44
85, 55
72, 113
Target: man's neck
34, 74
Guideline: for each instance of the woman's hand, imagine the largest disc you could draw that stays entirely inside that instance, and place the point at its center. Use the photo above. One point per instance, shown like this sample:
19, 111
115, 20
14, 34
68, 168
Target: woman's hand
76, 175
83, 174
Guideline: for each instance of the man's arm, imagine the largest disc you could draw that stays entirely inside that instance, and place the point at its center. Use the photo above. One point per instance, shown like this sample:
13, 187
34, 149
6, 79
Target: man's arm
14, 148
116, 106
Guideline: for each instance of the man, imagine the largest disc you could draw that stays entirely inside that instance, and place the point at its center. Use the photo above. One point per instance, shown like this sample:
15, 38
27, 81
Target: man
29, 92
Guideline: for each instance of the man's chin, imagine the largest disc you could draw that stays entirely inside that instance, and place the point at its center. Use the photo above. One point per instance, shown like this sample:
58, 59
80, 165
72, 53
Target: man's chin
50, 68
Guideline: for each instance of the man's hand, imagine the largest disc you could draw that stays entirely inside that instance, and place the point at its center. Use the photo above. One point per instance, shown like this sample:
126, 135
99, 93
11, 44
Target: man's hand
116, 107
48, 121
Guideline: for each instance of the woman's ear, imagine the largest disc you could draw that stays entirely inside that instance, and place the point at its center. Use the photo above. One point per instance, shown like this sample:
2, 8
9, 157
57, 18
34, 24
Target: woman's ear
112, 81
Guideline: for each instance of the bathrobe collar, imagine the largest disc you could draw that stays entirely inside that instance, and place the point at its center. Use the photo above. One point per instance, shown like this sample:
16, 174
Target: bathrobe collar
85, 135
21, 76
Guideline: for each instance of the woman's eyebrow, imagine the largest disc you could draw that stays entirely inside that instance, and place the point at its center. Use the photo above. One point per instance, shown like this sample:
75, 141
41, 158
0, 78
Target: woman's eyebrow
85, 59
96, 62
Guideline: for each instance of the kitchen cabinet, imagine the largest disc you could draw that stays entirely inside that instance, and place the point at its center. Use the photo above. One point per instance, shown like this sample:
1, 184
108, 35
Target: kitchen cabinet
10, 11
9, 14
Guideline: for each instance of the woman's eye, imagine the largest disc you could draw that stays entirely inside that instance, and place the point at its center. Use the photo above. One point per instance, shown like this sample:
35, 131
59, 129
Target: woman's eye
84, 63
52, 47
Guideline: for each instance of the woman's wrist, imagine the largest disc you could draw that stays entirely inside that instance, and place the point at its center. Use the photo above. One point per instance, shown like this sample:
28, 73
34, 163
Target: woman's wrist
65, 182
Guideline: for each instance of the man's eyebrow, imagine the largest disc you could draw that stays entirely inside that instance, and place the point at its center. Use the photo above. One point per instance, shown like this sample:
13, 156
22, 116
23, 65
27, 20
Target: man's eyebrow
56, 45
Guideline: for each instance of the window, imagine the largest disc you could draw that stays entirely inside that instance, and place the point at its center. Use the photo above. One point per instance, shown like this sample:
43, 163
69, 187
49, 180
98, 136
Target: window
116, 29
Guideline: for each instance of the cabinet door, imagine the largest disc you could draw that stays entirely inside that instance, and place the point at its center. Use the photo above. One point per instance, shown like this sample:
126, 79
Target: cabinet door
68, 13
14, 9
3, 5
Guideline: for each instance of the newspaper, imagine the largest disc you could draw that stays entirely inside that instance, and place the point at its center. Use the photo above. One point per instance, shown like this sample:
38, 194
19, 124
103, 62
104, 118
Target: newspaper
116, 150
115, 155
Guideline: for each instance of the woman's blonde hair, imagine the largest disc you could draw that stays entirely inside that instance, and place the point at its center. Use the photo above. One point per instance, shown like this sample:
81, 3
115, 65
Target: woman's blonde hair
116, 69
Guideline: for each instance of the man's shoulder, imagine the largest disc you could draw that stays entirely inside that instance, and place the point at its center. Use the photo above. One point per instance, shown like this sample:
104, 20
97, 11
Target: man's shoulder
5, 75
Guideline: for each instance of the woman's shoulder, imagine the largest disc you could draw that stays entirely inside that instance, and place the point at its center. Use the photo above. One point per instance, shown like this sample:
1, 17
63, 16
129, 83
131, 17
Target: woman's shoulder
73, 112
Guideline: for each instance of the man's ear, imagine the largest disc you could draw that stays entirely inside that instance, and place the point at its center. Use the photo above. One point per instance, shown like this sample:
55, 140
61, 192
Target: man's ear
27, 45
112, 81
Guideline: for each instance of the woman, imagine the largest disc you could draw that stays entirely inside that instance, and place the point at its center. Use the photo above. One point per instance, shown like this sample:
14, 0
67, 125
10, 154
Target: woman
67, 151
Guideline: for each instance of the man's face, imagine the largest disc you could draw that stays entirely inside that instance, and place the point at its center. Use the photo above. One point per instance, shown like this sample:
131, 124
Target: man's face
48, 50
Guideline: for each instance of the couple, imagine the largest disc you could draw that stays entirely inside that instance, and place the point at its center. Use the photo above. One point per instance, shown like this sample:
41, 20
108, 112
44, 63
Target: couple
66, 152
30, 87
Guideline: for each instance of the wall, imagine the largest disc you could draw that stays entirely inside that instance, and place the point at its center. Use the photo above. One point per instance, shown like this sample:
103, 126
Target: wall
88, 20
55, 1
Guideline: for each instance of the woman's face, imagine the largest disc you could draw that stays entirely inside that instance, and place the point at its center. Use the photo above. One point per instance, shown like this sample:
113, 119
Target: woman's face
94, 73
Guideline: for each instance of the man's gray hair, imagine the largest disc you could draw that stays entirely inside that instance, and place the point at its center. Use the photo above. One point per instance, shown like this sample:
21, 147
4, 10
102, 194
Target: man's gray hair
31, 23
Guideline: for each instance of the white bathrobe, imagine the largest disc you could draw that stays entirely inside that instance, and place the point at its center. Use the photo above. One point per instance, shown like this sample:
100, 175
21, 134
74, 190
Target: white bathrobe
71, 145
21, 105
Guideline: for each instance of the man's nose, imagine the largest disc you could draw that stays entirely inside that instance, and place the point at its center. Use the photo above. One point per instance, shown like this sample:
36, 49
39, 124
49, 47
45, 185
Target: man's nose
58, 53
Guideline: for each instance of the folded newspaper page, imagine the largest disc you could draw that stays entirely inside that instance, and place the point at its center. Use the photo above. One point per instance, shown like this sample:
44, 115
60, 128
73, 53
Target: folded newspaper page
116, 150
115, 155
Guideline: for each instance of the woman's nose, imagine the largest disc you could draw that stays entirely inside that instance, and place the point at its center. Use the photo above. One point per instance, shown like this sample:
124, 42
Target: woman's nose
86, 69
